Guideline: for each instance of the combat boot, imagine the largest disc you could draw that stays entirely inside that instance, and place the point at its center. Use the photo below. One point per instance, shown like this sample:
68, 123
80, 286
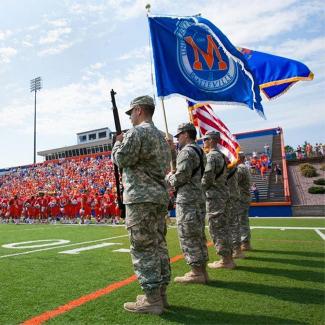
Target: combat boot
163, 296
196, 275
238, 253
226, 262
150, 303
246, 246
206, 275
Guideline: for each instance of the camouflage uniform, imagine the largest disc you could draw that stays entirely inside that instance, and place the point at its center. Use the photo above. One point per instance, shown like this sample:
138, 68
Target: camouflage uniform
190, 206
217, 197
145, 156
232, 206
244, 183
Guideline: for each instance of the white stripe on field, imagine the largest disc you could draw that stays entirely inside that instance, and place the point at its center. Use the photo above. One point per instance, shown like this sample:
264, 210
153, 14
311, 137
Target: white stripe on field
281, 228
320, 233
60, 246
256, 217
88, 248
292, 228
60, 225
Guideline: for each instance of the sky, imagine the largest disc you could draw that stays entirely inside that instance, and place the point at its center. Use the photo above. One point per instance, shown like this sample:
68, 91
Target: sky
82, 49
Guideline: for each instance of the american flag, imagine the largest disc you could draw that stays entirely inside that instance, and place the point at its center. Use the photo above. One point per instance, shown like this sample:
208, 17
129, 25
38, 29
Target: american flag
204, 119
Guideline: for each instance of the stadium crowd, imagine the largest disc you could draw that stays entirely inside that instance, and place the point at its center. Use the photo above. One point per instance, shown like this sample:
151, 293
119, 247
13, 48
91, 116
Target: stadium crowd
68, 191
258, 164
73, 191
307, 150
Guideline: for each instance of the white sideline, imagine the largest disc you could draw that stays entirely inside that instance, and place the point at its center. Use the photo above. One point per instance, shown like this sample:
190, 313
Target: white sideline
320, 233
60, 246
281, 228
294, 228
59, 225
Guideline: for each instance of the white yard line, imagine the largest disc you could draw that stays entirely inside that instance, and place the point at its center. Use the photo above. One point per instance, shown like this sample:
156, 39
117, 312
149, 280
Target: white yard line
320, 233
281, 228
289, 228
60, 246
287, 218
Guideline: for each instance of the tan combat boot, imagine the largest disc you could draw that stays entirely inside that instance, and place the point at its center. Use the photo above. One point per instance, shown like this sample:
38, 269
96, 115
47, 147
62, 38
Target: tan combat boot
238, 253
226, 262
150, 303
206, 275
163, 296
246, 246
196, 275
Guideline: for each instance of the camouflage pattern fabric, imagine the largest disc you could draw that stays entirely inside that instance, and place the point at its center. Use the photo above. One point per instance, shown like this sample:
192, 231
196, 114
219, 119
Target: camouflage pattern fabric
145, 158
234, 222
190, 206
147, 229
217, 197
191, 233
189, 189
244, 183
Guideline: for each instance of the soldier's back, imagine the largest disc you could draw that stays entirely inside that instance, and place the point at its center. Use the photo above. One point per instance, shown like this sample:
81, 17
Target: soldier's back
244, 181
188, 161
144, 181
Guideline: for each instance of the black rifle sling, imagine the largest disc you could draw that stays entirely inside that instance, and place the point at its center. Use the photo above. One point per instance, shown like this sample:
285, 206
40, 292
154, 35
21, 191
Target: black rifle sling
232, 173
200, 154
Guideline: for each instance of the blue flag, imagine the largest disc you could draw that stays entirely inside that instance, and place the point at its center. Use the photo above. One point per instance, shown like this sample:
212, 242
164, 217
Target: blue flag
193, 58
275, 74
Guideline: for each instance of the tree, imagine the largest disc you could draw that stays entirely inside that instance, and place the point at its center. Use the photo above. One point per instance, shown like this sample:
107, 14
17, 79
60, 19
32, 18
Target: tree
288, 149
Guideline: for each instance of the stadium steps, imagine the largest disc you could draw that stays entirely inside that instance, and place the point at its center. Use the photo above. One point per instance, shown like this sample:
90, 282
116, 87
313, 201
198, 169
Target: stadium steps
276, 190
262, 185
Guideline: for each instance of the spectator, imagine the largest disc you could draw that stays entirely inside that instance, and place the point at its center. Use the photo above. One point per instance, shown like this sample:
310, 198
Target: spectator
267, 149
299, 152
278, 173
309, 150
256, 193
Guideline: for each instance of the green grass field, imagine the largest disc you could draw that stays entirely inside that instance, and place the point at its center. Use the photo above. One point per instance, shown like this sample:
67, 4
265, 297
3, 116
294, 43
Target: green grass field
280, 282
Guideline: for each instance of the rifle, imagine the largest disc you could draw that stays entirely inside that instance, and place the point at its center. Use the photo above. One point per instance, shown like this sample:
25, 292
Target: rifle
117, 172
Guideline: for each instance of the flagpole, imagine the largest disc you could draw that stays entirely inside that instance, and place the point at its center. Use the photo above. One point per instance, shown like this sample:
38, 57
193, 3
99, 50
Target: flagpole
165, 118
148, 8
190, 114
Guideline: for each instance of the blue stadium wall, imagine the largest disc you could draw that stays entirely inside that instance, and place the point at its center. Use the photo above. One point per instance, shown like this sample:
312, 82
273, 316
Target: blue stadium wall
270, 211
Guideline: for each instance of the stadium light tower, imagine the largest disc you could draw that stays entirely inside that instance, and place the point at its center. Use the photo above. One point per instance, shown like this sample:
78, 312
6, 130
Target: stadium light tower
35, 84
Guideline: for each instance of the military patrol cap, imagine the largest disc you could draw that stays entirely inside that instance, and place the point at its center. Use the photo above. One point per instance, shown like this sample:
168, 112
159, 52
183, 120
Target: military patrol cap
213, 135
142, 100
184, 127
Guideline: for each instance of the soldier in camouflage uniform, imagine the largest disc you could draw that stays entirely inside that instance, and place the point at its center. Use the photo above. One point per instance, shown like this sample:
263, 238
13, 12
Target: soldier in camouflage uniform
190, 205
217, 199
244, 183
233, 205
145, 157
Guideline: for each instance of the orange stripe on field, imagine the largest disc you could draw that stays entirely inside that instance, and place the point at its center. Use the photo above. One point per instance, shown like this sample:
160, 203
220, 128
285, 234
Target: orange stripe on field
78, 302
84, 299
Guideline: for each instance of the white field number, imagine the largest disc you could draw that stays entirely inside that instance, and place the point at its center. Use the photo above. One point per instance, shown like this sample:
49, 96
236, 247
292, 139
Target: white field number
37, 243
87, 248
